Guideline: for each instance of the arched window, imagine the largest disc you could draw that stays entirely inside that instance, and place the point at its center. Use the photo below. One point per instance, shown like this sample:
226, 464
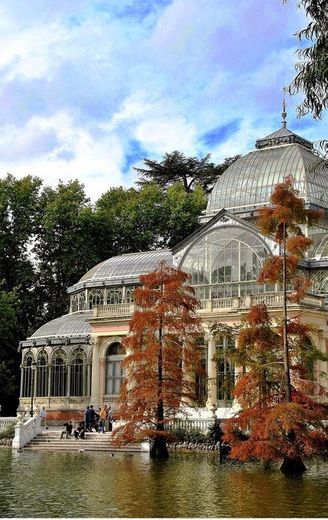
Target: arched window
59, 374
27, 375
95, 297
319, 282
78, 384
129, 294
42, 375
225, 372
114, 370
81, 297
115, 296
201, 379
226, 262
74, 303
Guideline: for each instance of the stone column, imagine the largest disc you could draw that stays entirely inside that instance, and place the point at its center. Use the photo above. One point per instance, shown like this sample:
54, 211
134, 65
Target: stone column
95, 373
21, 381
211, 402
318, 340
188, 378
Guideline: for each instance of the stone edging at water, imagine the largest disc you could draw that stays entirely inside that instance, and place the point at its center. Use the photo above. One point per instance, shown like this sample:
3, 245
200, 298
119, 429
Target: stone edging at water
197, 446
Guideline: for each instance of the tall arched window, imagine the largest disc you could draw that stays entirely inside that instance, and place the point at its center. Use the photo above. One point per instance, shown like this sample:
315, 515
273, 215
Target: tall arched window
27, 375
201, 379
59, 374
225, 263
114, 370
78, 384
225, 371
42, 375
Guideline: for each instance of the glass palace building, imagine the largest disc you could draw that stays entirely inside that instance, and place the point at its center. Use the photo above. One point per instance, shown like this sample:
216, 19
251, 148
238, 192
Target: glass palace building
76, 359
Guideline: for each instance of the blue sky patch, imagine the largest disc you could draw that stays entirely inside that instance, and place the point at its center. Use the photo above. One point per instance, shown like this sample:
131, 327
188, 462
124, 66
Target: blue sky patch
220, 133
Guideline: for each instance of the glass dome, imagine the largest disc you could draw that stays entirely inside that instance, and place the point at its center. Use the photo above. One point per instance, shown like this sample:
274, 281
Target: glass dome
122, 269
249, 181
67, 325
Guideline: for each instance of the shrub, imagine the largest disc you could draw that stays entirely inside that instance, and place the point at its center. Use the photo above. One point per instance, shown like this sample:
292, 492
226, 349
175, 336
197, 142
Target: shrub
193, 435
8, 432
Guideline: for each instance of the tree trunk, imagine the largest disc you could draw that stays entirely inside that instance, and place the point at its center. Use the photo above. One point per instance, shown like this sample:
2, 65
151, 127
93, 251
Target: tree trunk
290, 465
285, 320
293, 466
159, 448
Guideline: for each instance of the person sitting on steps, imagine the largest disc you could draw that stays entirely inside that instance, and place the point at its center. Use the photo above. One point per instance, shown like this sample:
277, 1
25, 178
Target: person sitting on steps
79, 432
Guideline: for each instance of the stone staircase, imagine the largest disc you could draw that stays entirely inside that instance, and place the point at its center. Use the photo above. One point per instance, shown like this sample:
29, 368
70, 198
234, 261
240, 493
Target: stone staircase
50, 441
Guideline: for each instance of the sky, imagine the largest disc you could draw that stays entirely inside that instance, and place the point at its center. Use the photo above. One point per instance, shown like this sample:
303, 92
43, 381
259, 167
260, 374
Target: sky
91, 87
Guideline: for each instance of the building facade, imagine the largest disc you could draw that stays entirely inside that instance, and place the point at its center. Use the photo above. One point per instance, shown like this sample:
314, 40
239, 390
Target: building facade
76, 359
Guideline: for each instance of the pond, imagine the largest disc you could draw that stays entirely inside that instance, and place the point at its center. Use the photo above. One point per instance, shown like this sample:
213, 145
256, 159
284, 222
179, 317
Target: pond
83, 484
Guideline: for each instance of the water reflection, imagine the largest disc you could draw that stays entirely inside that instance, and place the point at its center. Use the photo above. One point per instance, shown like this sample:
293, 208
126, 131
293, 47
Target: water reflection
130, 485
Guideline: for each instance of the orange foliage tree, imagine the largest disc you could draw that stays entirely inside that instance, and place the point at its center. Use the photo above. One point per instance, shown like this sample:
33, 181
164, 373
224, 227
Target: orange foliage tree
278, 419
162, 357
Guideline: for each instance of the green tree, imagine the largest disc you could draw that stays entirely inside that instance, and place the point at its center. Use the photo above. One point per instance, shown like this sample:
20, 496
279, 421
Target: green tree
190, 171
65, 247
19, 302
181, 211
9, 357
147, 218
312, 67
131, 218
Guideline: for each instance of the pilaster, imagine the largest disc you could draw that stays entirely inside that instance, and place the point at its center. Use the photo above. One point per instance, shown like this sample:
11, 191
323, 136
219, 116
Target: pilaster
211, 402
95, 387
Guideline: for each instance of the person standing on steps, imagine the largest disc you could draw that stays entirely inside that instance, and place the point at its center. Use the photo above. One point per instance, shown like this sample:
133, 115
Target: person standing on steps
102, 419
110, 418
43, 415
87, 419
92, 417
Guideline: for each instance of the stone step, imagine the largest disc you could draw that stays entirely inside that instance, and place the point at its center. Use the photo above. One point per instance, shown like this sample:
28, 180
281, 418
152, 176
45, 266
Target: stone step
129, 449
51, 441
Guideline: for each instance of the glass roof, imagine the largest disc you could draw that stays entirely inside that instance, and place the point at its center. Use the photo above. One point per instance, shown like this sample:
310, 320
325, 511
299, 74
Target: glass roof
67, 325
249, 181
127, 266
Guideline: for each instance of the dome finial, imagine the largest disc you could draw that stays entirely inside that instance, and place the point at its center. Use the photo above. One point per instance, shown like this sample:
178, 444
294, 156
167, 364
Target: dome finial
284, 113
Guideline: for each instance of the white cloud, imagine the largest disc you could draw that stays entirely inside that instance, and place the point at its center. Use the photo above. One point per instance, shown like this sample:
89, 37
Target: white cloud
82, 80
95, 162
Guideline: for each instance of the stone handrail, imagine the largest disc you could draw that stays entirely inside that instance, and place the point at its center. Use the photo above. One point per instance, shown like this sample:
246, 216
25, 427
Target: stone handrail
117, 309
188, 424
273, 300
26, 429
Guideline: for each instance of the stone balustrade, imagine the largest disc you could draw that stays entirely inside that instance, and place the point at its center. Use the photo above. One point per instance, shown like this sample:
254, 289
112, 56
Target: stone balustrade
271, 300
193, 423
26, 429
114, 310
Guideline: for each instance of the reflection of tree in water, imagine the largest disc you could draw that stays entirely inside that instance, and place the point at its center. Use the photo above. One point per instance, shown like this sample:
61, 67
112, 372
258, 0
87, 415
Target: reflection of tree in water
267, 493
130, 485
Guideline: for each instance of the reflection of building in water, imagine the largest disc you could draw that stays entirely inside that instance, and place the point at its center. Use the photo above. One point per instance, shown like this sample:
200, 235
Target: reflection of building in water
79, 355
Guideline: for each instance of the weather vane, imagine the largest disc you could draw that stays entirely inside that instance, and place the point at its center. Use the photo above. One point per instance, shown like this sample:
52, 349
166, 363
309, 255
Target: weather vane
284, 113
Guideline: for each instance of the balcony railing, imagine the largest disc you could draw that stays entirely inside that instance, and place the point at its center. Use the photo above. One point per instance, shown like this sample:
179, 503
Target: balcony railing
234, 303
